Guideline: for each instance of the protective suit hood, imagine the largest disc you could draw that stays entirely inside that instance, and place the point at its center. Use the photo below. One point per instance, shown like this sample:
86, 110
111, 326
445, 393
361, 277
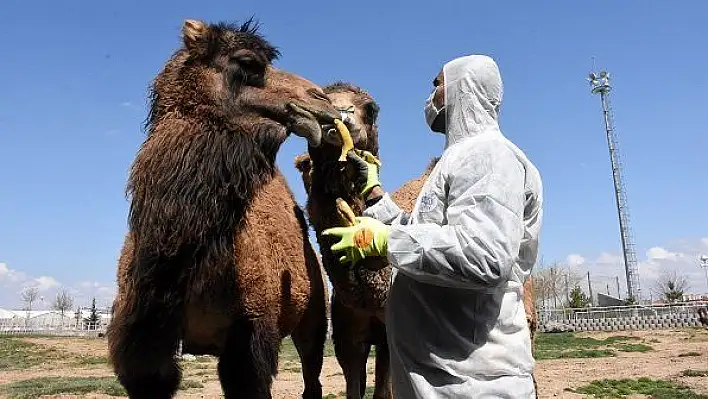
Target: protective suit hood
473, 95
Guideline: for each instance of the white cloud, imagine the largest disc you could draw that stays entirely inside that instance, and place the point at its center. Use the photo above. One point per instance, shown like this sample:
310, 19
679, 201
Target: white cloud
609, 259
126, 104
84, 291
574, 260
13, 281
8, 275
608, 266
89, 284
44, 283
659, 253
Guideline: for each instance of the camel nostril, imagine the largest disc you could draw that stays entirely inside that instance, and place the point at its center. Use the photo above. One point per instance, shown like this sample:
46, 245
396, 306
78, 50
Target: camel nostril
319, 95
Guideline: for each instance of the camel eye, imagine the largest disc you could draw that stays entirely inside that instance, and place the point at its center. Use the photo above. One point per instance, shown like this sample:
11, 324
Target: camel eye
246, 62
247, 68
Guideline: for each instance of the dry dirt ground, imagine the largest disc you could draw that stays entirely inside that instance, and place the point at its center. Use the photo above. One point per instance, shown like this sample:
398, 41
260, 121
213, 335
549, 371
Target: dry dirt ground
666, 361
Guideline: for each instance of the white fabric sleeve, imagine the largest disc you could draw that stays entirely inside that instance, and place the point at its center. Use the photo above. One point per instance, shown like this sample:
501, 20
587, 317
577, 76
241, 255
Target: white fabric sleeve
479, 245
386, 211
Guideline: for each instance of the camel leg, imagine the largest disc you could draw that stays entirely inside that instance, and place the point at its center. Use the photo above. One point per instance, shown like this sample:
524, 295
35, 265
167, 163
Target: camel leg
382, 387
309, 339
142, 349
250, 359
349, 333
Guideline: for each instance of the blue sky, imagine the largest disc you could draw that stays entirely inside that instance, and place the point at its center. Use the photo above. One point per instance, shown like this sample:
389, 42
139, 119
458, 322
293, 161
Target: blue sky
73, 98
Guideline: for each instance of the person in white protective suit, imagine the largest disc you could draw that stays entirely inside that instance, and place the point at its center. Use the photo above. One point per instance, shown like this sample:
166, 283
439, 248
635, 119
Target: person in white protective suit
455, 315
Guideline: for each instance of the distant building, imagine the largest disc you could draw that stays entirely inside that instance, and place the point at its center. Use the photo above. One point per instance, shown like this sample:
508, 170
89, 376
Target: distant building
607, 300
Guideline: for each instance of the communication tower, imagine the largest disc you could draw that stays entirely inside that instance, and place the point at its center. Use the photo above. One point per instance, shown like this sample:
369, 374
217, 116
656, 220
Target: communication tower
600, 84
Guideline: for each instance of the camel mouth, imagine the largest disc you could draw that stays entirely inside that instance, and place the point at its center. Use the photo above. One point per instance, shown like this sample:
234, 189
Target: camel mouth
306, 121
331, 136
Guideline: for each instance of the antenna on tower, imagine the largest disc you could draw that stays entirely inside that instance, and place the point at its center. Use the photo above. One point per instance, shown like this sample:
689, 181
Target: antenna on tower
600, 84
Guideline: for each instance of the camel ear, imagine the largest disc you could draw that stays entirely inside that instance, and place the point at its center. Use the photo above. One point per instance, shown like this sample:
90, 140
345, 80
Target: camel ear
194, 32
372, 112
303, 163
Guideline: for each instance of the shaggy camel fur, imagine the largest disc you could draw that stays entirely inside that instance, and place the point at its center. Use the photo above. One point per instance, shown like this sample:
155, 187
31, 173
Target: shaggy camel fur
359, 294
703, 315
217, 253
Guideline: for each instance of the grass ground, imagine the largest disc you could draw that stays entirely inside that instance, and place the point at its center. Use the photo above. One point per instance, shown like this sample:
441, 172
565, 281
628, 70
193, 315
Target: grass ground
659, 364
656, 389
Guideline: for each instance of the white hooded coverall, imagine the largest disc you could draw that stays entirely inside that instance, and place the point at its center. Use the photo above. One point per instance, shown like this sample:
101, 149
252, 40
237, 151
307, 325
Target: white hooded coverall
455, 315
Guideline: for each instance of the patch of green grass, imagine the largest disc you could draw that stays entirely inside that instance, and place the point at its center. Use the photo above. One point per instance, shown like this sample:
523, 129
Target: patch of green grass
698, 334
694, 373
288, 352
367, 394
568, 345
201, 373
657, 389
36, 387
574, 354
634, 348
291, 366
689, 354
547, 341
189, 384
17, 354
88, 360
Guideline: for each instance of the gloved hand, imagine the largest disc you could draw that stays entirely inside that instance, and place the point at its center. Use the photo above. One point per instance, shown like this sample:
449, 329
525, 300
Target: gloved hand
367, 170
368, 237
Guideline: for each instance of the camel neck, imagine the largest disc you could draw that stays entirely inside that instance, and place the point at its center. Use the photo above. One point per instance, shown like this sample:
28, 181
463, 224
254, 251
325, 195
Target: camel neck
190, 188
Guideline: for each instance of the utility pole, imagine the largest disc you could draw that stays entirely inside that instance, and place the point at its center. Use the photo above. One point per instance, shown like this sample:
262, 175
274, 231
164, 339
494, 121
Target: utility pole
590, 290
619, 295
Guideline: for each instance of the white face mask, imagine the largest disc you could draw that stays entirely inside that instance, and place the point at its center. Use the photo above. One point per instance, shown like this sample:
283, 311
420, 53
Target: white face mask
431, 113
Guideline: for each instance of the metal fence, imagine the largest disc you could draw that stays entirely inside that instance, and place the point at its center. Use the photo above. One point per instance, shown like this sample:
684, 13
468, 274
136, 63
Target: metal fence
608, 318
23, 326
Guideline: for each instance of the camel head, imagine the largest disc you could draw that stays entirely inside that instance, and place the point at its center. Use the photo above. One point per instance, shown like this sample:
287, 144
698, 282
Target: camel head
226, 72
362, 113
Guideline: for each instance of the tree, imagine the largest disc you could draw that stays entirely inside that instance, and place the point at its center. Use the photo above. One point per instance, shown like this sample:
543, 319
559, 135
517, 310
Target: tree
63, 302
631, 301
578, 299
93, 319
29, 296
671, 286
554, 282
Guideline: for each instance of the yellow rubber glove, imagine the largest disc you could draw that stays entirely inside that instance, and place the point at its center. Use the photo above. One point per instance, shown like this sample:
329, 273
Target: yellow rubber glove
368, 237
367, 170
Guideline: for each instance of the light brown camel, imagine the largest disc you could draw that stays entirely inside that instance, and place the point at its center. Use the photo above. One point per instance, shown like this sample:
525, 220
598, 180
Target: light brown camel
217, 253
359, 294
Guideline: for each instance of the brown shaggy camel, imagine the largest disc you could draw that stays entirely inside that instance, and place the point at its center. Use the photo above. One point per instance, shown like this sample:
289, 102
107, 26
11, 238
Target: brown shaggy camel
217, 253
359, 294
703, 316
